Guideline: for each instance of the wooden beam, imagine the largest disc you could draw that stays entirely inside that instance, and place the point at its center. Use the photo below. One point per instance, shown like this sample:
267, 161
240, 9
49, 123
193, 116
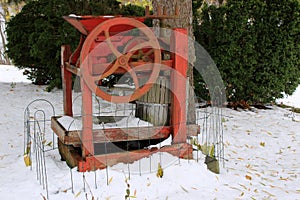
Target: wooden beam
66, 80
179, 42
118, 134
92, 163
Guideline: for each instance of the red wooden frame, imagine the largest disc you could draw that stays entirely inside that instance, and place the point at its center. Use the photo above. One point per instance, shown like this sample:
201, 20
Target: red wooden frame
178, 65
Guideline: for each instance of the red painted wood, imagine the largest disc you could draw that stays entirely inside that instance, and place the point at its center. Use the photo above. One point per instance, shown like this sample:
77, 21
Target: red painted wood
74, 58
87, 120
89, 25
86, 24
122, 59
92, 163
178, 84
118, 134
66, 80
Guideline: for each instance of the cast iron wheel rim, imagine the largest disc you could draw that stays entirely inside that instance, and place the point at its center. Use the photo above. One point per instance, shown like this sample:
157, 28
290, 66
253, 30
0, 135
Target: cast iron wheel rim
122, 60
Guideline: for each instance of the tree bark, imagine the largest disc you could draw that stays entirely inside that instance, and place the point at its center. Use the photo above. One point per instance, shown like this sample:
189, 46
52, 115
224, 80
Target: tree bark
185, 21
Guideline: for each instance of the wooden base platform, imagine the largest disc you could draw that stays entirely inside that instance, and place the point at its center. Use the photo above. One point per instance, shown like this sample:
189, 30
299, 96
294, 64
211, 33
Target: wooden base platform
118, 134
110, 143
73, 158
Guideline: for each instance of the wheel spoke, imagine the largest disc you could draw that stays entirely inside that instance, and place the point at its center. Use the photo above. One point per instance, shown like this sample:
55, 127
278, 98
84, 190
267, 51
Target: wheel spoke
134, 78
140, 46
133, 75
146, 48
110, 44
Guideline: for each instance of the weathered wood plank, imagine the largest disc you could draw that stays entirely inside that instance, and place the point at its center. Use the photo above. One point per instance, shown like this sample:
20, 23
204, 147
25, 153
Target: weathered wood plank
69, 154
66, 80
92, 163
118, 134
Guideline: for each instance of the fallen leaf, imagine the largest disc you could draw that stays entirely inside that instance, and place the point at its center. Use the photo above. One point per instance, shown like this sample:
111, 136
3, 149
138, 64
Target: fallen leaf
262, 183
269, 133
27, 160
243, 186
270, 194
248, 177
257, 174
235, 188
110, 180
49, 144
283, 179
77, 195
262, 144
184, 189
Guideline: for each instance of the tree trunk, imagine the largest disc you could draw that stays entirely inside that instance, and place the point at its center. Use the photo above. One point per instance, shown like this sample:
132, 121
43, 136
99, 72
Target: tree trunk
185, 21
6, 58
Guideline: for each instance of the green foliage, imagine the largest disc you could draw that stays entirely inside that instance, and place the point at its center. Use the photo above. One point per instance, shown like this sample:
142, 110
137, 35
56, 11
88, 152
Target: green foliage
255, 45
36, 34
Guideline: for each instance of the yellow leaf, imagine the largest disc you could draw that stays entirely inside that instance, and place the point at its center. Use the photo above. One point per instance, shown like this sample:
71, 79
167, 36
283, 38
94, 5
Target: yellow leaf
49, 144
262, 144
283, 179
160, 171
242, 194
110, 180
27, 160
77, 195
248, 177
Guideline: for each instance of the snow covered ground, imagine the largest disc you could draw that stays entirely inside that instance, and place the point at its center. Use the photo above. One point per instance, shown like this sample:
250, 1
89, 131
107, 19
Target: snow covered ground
262, 152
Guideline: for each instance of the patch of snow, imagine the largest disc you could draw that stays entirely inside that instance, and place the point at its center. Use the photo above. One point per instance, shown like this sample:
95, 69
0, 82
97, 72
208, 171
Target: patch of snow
262, 152
72, 124
292, 100
11, 74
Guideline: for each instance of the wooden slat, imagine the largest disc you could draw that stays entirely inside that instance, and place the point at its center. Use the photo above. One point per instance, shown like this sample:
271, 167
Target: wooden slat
72, 68
92, 163
118, 134
58, 129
